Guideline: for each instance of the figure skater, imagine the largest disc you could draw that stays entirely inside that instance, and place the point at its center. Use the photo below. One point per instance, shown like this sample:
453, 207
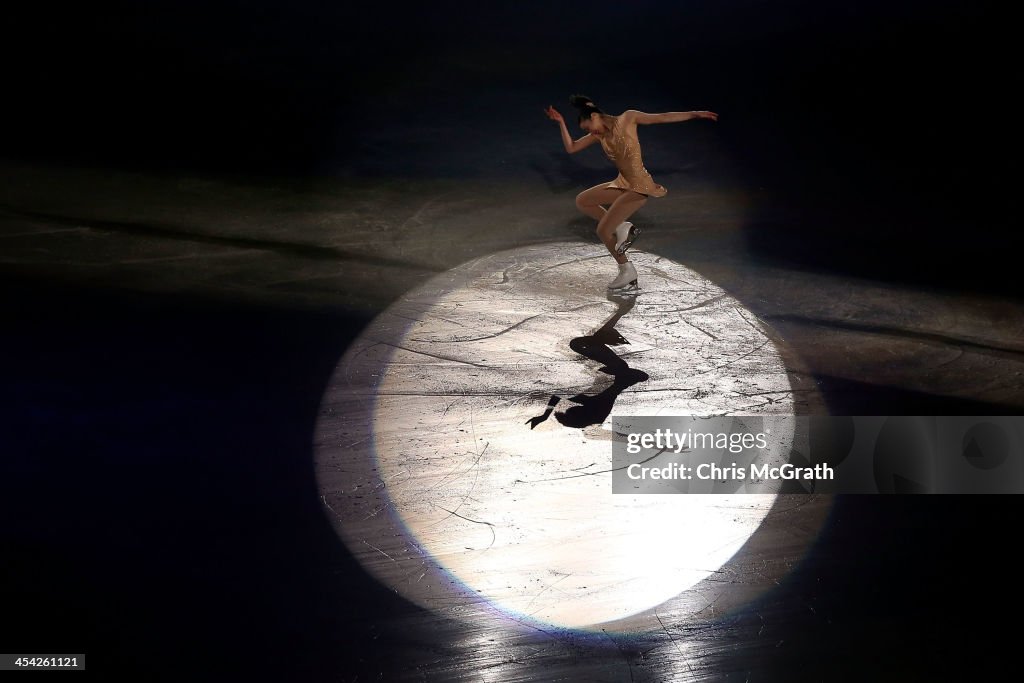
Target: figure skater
630, 190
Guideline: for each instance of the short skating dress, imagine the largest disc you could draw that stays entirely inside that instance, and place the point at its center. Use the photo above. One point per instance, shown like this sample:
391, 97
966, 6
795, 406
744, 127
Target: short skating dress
621, 145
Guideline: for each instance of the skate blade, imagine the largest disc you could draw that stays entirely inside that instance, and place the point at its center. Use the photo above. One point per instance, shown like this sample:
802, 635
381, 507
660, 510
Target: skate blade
630, 287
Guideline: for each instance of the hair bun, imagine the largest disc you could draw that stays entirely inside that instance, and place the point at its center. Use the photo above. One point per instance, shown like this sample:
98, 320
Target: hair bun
582, 102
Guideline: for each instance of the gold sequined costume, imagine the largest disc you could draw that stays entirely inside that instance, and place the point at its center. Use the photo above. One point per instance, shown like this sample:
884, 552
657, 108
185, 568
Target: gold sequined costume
621, 145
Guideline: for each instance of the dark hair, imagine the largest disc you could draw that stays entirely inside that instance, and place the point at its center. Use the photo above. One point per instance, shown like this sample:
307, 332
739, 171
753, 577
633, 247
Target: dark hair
585, 105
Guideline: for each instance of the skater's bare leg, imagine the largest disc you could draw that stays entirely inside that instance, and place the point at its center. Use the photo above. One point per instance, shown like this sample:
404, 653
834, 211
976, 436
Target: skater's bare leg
621, 209
590, 201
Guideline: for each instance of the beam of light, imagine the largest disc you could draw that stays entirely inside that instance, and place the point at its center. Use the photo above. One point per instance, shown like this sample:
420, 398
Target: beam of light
444, 481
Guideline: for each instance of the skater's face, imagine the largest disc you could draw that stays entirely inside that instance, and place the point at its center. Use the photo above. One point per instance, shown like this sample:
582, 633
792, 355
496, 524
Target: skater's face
593, 125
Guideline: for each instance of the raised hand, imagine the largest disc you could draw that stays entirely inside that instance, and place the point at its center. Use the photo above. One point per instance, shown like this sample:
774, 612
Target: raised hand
553, 114
706, 115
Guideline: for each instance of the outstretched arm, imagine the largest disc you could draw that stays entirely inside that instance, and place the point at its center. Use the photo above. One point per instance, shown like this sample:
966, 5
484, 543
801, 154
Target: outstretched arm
571, 146
671, 117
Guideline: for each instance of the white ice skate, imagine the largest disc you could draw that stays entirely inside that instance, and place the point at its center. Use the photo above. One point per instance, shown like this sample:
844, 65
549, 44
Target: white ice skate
626, 279
625, 235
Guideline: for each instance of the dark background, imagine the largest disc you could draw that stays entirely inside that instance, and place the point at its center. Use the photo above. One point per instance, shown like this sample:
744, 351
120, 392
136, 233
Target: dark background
152, 513
897, 112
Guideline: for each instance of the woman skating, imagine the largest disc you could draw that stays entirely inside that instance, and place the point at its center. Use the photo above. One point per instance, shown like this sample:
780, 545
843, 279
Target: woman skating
630, 190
